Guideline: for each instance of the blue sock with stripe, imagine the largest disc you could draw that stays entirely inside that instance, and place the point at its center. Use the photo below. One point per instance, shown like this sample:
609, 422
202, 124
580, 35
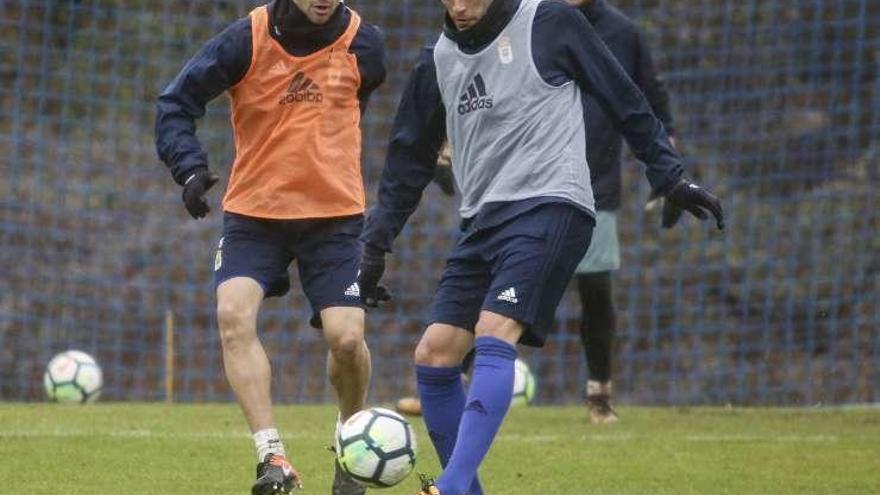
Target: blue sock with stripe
442, 396
487, 404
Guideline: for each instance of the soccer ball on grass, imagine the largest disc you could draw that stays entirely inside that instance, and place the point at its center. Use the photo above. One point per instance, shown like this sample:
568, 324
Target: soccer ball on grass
376, 447
73, 377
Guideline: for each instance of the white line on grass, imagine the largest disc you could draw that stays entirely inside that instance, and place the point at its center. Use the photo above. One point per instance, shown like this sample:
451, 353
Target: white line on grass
508, 437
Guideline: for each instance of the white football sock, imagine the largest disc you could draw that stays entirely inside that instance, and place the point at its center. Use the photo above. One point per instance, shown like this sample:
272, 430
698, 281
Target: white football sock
267, 442
598, 388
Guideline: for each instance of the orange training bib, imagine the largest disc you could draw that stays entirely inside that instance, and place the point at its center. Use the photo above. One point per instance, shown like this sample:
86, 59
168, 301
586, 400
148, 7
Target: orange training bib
296, 122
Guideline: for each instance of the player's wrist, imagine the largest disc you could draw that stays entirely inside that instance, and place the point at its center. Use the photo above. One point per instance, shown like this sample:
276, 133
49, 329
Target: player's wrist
373, 255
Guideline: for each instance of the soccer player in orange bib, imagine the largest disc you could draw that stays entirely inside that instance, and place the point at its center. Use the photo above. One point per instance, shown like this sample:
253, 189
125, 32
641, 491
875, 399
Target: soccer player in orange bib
298, 74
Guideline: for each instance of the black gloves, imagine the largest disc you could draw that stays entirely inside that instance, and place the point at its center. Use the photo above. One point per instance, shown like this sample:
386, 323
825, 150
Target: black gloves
689, 196
372, 268
194, 189
671, 215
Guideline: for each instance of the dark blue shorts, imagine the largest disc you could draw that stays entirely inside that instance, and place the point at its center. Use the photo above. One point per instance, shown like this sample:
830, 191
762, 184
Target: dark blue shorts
327, 252
518, 269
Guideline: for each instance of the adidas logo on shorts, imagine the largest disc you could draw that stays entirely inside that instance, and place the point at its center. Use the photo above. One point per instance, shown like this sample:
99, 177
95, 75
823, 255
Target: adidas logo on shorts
353, 290
509, 296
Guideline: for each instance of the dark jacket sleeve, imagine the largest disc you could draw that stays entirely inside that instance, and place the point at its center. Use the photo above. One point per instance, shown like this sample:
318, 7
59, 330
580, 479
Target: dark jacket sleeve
219, 64
652, 85
416, 136
566, 47
369, 48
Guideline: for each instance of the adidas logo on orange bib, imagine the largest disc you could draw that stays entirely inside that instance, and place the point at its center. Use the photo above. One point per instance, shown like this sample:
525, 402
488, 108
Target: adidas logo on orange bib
475, 98
302, 89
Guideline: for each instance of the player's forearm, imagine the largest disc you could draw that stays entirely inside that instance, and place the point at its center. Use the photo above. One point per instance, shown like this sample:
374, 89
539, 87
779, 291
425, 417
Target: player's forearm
218, 65
620, 97
658, 97
176, 142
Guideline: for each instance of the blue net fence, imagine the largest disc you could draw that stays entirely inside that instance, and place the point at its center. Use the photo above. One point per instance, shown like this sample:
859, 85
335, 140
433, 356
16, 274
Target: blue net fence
778, 109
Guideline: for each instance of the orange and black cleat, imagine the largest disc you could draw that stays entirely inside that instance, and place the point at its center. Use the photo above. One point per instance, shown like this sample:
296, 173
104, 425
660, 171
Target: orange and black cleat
428, 486
275, 476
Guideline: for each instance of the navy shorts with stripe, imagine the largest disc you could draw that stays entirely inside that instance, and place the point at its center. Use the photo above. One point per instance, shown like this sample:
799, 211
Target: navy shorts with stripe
519, 269
327, 252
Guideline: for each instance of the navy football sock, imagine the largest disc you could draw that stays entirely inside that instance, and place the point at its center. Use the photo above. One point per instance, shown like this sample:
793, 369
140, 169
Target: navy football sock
487, 403
442, 396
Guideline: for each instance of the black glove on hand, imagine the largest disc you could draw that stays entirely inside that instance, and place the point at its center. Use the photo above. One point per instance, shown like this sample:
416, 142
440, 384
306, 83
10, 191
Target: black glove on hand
194, 190
693, 198
372, 268
444, 179
671, 214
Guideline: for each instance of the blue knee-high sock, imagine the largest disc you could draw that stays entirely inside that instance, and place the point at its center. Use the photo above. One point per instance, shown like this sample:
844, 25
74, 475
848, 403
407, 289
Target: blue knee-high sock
442, 396
487, 404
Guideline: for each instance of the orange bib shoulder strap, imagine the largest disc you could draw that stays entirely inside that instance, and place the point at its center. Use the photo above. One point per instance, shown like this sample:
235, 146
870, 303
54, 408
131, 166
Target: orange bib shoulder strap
260, 25
353, 26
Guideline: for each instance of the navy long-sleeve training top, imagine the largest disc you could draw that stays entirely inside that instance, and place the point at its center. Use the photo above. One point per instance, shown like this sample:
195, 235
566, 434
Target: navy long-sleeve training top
565, 48
604, 142
224, 60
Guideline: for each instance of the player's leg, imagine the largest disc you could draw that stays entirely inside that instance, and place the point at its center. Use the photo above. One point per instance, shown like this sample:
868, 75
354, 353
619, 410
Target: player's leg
598, 322
438, 372
412, 406
440, 351
244, 360
348, 367
487, 401
328, 254
348, 360
249, 374
598, 325
249, 265
533, 257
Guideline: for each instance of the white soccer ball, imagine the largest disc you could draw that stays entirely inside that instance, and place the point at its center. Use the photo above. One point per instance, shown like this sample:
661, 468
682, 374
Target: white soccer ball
73, 377
377, 447
524, 384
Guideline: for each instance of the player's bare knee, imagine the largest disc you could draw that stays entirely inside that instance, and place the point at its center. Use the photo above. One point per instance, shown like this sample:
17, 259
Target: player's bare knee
436, 349
344, 332
499, 326
347, 346
423, 353
236, 322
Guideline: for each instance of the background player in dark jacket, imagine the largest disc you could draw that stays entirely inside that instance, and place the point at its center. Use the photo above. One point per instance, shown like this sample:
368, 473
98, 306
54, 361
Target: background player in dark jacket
298, 74
505, 81
604, 144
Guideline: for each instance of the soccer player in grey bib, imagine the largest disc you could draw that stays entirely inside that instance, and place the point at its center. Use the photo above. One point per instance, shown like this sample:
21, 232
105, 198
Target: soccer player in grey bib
505, 82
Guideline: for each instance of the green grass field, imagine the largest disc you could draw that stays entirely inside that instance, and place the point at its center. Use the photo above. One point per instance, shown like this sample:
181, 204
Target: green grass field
205, 449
